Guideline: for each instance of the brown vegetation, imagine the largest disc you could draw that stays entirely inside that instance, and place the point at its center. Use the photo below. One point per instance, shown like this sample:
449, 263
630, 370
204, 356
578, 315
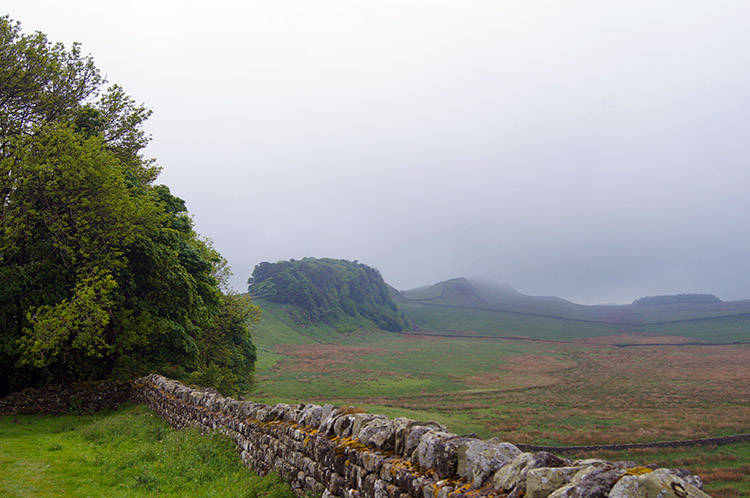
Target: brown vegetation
558, 394
637, 338
324, 358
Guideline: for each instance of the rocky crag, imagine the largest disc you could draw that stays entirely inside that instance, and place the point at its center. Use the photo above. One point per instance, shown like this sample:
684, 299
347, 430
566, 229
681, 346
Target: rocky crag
340, 452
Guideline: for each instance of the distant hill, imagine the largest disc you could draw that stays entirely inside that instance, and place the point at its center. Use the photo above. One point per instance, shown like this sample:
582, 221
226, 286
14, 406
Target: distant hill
487, 295
457, 290
337, 292
474, 306
677, 299
313, 298
475, 290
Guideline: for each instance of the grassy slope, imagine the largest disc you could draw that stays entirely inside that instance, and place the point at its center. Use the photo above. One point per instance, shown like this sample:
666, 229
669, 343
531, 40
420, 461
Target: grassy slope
125, 453
277, 328
497, 323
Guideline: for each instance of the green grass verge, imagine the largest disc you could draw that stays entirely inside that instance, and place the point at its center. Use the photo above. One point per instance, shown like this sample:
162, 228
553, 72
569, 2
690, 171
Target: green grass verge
130, 452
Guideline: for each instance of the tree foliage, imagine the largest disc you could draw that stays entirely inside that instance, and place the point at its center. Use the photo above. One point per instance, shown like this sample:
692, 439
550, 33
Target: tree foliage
102, 272
329, 291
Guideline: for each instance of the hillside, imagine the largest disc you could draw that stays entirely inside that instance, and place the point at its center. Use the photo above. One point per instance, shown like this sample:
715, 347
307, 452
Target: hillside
466, 292
478, 308
677, 299
461, 305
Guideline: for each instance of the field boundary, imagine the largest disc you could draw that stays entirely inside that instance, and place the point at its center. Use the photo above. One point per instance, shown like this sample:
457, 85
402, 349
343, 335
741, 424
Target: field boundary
712, 441
348, 453
733, 343
580, 320
576, 341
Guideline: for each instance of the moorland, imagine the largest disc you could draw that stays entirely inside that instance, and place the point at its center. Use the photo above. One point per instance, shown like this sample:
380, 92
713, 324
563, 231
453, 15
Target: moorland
486, 359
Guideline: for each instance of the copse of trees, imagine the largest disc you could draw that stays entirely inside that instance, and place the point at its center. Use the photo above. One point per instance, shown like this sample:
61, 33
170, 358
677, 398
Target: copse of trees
102, 273
333, 291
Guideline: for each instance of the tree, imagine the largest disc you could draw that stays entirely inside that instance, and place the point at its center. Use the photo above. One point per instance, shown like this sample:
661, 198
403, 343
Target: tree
103, 274
67, 217
42, 83
227, 356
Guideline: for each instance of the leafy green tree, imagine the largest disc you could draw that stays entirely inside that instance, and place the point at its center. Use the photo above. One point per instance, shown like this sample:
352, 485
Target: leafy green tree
227, 357
102, 272
42, 83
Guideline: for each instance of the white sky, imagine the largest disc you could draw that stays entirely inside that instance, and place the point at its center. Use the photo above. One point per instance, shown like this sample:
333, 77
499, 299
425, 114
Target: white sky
593, 150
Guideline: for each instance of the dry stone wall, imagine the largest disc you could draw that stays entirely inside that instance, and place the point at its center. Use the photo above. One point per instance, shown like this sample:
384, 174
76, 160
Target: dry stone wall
340, 452
77, 398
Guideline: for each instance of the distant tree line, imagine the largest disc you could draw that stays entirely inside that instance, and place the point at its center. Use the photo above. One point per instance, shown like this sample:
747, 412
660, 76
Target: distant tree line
677, 299
102, 273
329, 291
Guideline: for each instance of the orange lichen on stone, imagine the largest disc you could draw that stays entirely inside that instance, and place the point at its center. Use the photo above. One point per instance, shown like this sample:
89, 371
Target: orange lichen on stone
463, 488
349, 410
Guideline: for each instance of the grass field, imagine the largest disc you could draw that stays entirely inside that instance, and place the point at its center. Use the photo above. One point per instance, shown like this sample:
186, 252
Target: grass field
539, 389
128, 453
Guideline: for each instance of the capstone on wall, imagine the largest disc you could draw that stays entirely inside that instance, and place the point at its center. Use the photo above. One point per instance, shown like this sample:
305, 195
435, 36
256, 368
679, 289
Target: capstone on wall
335, 452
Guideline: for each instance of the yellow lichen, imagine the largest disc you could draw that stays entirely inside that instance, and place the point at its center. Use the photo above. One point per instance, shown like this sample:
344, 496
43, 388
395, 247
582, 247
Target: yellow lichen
638, 471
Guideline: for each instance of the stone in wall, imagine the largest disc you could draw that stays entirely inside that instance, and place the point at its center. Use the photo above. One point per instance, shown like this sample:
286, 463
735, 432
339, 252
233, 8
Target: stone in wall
661, 482
477, 460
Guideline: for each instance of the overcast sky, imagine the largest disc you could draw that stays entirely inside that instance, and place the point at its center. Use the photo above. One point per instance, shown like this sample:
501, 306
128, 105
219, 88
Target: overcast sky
593, 150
